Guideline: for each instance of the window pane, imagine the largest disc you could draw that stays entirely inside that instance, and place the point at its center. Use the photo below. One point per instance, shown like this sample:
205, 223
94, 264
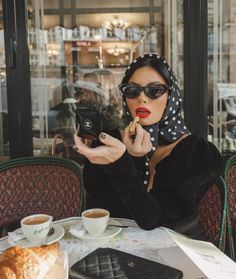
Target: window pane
50, 21
83, 61
111, 4
67, 21
221, 74
67, 4
48, 4
139, 19
157, 3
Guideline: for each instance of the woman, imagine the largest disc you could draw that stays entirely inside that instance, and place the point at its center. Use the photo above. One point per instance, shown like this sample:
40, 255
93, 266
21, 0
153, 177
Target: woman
159, 176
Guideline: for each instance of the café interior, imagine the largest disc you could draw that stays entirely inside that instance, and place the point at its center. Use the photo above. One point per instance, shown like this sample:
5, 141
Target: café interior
53, 54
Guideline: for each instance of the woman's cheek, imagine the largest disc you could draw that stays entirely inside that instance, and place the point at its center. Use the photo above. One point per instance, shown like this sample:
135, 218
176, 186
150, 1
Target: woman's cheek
132, 107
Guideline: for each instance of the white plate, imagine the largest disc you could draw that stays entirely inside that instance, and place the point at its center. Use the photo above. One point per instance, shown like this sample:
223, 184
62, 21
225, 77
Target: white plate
57, 235
109, 232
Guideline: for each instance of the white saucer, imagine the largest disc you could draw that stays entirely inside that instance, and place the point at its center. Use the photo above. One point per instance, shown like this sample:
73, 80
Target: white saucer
57, 235
109, 232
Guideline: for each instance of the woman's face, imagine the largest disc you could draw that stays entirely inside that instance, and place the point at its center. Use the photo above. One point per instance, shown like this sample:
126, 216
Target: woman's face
149, 110
89, 97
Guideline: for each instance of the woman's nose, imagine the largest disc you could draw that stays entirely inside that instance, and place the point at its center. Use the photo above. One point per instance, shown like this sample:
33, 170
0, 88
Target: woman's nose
142, 98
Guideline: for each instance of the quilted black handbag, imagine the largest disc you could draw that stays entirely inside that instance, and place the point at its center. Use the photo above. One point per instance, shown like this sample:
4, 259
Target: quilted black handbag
110, 263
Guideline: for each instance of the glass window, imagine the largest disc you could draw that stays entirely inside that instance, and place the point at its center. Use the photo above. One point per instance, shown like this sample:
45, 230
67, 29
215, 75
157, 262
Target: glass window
67, 4
50, 21
67, 21
81, 65
221, 74
48, 4
99, 20
157, 3
111, 4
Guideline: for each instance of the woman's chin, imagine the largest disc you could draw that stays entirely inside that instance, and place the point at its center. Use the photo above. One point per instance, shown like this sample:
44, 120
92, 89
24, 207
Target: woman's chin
147, 122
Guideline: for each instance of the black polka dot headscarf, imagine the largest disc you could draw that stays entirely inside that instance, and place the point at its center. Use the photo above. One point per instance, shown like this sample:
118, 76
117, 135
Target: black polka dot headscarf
171, 126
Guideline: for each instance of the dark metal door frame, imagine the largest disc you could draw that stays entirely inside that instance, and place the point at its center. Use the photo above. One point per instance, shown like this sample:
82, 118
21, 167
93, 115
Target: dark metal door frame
18, 78
195, 66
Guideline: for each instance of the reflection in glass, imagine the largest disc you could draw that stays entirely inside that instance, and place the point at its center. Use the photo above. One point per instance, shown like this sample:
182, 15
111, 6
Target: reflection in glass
111, 4
4, 143
77, 60
51, 4
221, 74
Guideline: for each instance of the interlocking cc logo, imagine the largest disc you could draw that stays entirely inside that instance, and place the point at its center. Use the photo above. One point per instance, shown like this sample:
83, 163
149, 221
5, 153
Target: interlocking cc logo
87, 124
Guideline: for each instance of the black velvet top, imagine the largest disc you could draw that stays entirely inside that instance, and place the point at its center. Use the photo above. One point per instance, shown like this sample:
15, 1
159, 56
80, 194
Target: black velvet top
180, 182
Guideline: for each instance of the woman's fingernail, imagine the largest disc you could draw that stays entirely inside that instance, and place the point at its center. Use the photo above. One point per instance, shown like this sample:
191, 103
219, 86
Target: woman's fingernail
76, 148
102, 136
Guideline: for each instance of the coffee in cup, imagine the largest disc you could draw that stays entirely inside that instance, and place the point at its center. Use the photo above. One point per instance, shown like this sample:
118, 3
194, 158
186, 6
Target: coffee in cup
95, 220
36, 227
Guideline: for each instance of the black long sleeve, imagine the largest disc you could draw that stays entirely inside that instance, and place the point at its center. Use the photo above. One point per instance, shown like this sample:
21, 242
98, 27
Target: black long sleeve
181, 180
140, 204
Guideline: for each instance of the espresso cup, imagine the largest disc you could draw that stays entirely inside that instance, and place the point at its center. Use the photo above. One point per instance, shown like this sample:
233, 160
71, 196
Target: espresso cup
95, 220
36, 227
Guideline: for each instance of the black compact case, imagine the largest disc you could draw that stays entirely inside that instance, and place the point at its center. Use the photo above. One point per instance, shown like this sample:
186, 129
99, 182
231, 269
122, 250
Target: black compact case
89, 123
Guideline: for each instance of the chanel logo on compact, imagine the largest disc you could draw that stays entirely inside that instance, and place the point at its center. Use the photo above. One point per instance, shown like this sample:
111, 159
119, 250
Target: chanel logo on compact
87, 124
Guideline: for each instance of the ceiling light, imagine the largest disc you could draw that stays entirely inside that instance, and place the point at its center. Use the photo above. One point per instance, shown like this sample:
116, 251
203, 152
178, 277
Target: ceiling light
116, 23
116, 51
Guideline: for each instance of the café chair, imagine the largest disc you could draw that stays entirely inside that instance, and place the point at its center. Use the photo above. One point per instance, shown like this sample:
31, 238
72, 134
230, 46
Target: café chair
39, 185
212, 214
230, 179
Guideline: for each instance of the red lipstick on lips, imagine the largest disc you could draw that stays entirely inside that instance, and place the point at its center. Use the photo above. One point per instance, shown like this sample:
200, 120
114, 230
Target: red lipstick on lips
142, 112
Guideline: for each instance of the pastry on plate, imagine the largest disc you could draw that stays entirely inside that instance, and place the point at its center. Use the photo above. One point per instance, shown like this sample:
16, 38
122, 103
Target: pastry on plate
28, 263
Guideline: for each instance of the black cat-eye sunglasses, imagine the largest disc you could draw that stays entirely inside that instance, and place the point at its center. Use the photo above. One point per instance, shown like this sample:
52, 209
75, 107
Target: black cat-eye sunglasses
152, 91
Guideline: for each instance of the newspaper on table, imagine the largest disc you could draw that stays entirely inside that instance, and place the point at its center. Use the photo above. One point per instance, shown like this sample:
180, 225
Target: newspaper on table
212, 262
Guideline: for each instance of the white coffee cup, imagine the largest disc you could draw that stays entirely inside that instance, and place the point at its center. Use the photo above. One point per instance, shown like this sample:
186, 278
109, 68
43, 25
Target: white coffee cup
95, 220
36, 227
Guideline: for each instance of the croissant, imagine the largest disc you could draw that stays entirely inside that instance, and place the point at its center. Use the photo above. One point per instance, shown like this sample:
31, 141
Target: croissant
28, 263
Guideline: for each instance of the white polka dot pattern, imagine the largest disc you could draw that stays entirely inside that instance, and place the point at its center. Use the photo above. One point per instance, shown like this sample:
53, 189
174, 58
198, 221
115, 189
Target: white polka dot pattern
172, 125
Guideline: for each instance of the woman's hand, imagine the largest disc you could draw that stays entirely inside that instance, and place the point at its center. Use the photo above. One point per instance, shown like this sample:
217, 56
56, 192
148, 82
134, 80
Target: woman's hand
108, 153
140, 145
